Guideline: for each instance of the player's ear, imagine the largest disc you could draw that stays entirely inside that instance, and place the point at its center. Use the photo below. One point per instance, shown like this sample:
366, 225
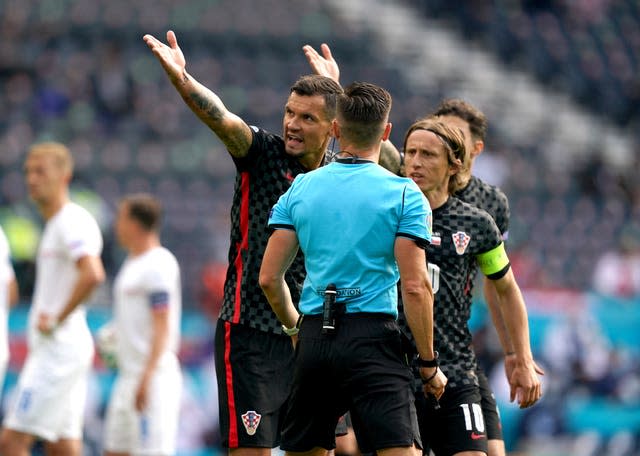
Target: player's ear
335, 129
478, 147
455, 167
387, 131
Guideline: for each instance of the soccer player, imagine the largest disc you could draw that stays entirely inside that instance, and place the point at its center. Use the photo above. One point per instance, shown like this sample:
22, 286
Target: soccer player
357, 225
52, 385
472, 122
253, 358
464, 238
8, 298
143, 411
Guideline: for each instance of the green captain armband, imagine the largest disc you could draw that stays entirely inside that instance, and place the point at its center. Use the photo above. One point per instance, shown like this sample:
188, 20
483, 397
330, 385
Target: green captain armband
494, 263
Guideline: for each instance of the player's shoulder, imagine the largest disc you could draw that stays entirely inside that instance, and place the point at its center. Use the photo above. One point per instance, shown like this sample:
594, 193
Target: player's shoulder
162, 255
72, 214
266, 142
470, 214
490, 191
160, 262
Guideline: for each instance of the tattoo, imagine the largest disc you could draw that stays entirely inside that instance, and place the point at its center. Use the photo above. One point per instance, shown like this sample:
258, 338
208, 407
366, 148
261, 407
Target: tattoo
206, 105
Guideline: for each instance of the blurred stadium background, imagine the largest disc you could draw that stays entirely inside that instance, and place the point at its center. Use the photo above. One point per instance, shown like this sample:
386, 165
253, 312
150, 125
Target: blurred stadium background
558, 80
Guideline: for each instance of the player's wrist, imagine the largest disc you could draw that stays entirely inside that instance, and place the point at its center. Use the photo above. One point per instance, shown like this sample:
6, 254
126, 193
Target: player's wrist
293, 331
52, 324
428, 378
429, 362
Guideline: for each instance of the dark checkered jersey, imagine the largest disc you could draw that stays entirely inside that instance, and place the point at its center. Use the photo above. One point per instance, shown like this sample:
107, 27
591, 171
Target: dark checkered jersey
262, 176
490, 198
461, 232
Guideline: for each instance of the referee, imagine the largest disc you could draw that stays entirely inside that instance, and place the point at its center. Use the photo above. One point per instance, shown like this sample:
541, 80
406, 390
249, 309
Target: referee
360, 229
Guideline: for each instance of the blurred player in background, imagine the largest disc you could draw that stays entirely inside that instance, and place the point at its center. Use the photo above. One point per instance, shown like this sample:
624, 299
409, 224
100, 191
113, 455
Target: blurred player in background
143, 411
8, 298
52, 386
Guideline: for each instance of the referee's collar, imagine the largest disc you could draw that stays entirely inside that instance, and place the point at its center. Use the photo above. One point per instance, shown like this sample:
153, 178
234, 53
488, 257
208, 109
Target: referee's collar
353, 161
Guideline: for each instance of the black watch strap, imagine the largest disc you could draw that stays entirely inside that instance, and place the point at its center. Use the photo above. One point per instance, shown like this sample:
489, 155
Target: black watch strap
428, 363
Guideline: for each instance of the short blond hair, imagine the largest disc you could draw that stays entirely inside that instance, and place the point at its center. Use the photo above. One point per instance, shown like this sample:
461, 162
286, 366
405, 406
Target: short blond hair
59, 152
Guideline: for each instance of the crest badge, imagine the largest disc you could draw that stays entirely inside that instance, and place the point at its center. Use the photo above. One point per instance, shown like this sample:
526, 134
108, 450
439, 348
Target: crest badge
251, 421
461, 241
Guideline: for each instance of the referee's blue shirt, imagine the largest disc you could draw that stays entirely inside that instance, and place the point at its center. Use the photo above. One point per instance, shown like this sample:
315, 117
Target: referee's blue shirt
346, 217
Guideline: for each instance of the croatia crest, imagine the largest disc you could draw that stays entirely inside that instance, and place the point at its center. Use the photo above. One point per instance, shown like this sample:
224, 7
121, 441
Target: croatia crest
461, 241
251, 421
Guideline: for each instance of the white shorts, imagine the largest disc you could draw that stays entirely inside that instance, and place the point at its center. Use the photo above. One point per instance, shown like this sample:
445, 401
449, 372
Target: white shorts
51, 391
155, 431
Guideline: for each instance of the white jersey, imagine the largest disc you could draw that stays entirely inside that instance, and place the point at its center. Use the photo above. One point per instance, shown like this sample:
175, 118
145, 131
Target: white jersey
143, 282
6, 276
51, 390
69, 235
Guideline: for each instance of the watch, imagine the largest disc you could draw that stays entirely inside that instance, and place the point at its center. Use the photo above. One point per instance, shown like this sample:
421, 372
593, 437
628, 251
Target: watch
428, 363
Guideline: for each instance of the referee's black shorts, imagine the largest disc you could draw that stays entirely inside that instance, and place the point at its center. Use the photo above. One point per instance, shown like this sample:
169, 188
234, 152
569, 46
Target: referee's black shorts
361, 369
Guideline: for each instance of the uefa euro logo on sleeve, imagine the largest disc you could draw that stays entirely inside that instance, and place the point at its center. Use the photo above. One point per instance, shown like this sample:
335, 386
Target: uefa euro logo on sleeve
461, 241
251, 421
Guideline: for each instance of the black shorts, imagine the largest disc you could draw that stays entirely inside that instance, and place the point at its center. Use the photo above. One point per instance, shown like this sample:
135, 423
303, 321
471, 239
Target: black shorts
489, 408
456, 426
254, 372
359, 369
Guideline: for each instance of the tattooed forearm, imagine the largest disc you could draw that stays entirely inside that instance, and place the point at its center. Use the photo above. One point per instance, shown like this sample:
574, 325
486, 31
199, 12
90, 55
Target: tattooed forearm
206, 106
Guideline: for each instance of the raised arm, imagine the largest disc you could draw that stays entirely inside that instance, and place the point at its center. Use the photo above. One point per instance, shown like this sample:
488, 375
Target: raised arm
326, 65
231, 129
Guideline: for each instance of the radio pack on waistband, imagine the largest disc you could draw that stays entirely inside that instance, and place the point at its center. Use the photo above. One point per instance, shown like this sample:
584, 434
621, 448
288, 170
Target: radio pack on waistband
328, 309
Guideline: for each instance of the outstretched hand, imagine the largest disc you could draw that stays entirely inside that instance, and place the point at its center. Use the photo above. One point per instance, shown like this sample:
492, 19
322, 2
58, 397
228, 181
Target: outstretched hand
325, 64
171, 57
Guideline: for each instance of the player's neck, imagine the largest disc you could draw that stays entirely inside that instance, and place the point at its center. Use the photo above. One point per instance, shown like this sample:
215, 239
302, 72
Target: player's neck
437, 197
465, 177
351, 151
143, 244
311, 161
50, 208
